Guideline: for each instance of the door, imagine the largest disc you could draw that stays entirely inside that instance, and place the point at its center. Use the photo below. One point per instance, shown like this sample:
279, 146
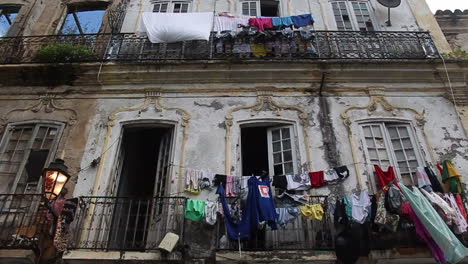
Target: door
162, 208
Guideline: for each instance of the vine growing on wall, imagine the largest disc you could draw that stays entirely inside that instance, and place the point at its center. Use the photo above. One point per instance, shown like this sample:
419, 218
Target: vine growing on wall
457, 54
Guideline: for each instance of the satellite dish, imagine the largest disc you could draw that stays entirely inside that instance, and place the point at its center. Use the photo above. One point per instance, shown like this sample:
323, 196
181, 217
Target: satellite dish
389, 4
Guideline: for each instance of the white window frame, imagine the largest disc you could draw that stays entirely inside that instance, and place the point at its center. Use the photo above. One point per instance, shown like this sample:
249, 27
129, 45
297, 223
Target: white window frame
35, 126
352, 14
292, 139
384, 125
249, 2
171, 5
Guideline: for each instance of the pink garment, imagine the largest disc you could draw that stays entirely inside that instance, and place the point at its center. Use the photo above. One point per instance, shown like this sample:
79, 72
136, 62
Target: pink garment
261, 23
57, 205
424, 234
230, 191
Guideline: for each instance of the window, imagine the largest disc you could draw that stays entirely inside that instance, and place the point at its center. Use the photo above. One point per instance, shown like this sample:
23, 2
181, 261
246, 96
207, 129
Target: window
86, 20
8, 14
171, 7
392, 144
269, 149
24, 152
353, 15
260, 8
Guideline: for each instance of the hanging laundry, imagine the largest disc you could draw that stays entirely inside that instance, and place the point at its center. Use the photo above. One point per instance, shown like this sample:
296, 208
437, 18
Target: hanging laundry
339, 216
393, 199
342, 172
174, 27
195, 210
348, 207
259, 50
192, 180
286, 215
451, 177
423, 179
219, 179
360, 206
230, 186
452, 248
211, 210
384, 218
460, 224
260, 207
280, 182
302, 20
282, 21
298, 198
448, 212
423, 233
330, 176
385, 177
234, 24
261, 23
435, 183
317, 179
312, 211
298, 182
65, 218
461, 206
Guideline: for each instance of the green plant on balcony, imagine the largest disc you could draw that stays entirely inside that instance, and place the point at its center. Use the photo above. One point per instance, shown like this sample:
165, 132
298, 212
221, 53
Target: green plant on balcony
457, 54
57, 53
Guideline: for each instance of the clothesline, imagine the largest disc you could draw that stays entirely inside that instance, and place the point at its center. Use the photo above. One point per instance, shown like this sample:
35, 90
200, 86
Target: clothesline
348, 164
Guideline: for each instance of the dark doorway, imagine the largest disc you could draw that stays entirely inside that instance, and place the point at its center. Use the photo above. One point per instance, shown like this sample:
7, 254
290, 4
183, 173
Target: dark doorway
254, 148
145, 167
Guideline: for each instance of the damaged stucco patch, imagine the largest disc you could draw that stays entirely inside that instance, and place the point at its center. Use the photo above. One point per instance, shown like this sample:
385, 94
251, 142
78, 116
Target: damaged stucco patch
456, 146
215, 104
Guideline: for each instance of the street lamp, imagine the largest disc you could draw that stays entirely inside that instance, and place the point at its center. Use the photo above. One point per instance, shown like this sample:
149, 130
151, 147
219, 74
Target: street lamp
55, 177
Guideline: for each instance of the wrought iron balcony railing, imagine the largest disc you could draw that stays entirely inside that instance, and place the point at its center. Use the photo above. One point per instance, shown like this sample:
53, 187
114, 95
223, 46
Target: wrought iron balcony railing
22, 221
327, 45
118, 223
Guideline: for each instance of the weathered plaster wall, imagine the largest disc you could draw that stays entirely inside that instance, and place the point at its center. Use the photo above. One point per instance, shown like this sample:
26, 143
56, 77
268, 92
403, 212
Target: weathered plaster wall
454, 25
74, 114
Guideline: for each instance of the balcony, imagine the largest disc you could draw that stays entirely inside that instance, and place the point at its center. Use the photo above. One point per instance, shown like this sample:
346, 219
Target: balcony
126, 224
321, 45
22, 221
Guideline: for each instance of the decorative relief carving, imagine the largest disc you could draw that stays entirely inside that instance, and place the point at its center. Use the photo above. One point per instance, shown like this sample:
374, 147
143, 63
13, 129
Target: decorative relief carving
374, 102
152, 99
266, 103
46, 104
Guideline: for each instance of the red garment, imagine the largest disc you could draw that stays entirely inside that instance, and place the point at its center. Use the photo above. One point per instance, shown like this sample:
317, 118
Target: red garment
459, 201
317, 179
441, 170
261, 23
385, 177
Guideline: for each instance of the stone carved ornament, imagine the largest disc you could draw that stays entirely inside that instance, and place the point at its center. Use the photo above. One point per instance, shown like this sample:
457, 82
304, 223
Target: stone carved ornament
45, 104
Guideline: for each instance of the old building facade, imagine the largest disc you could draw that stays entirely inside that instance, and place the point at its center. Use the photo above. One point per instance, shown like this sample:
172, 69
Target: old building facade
130, 117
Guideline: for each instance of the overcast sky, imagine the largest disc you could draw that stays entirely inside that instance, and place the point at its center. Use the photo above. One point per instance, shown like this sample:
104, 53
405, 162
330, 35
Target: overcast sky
447, 4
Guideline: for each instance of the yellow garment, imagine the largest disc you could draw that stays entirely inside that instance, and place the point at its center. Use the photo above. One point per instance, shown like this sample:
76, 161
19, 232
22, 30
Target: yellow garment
259, 50
312, 211
452, 171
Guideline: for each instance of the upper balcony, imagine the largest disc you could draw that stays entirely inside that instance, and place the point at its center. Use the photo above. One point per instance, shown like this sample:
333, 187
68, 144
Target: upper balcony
317, 45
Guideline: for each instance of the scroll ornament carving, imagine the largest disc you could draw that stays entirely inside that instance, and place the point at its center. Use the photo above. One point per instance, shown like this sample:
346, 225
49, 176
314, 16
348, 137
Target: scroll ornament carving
266, 103
374, 102
151, 100
47, 105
